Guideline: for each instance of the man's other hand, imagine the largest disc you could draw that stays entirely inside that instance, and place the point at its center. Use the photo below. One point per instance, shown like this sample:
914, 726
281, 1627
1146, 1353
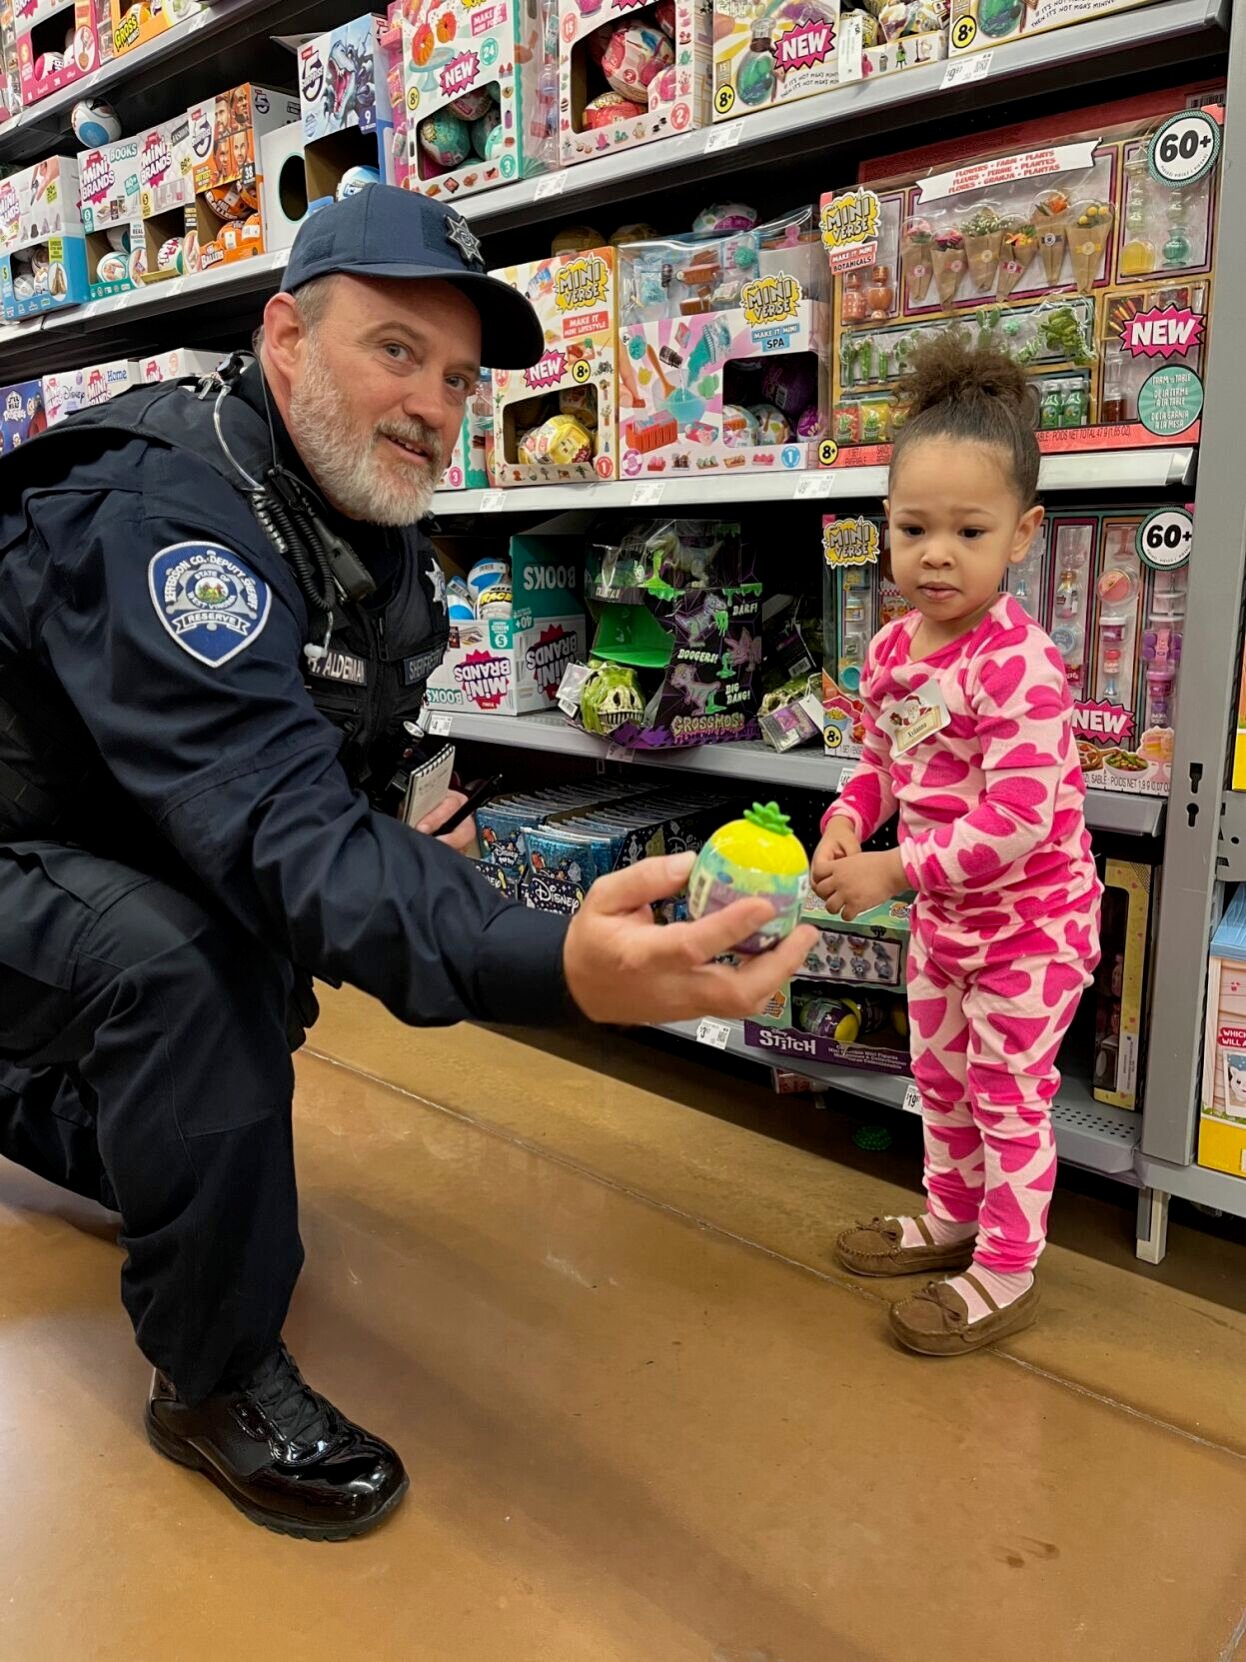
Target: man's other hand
624, 968
463, 837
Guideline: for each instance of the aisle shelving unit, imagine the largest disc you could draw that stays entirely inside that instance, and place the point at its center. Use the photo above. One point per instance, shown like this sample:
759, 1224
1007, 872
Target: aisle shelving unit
1203, 830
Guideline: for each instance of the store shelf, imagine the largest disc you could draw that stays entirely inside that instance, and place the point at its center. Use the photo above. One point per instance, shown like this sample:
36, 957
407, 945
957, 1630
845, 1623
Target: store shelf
750, 762
1088, 1133
1207, 1188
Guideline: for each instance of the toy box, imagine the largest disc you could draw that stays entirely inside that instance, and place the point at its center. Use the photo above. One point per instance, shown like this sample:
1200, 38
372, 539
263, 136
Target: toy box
503, 821
1222, 1124
44, 263
858, 598
345, 110
1086, 252
721, 351
172, 366
57, 43
569, 850
480, 94
977, 24
391, 66
557, 421
225, 138
642, 72
771, 52
164, 237
677, 645
1120, 987
77, 389
135, 22
22, 415
109, 184
887, 38
509, 664
10, 73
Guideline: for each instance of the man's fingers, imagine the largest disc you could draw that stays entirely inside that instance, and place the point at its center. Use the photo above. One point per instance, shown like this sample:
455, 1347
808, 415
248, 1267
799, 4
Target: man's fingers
445, 809
621, 892
710, 937
744, 990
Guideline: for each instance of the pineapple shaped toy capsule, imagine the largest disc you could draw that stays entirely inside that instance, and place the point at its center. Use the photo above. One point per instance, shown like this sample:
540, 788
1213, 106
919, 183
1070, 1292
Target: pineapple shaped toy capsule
751, 858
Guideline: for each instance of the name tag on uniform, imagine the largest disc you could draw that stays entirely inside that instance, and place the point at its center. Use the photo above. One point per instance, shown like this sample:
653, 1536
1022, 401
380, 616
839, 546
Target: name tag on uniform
418, 669
916, 717
341, 666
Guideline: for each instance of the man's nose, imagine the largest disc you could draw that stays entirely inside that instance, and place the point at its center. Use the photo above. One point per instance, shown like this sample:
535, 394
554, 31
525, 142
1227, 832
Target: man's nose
428, 399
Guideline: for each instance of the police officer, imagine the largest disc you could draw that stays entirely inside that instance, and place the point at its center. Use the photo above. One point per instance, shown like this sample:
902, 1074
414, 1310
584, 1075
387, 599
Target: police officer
215, 615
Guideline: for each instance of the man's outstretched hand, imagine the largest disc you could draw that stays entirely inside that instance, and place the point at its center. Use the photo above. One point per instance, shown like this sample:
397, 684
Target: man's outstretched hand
624, 968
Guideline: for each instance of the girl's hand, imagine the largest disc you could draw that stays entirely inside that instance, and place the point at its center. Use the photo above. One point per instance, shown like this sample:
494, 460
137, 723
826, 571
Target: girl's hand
860, 882
839, 840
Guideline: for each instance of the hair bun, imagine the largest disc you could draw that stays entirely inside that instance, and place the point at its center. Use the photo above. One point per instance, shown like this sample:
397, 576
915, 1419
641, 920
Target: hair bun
947, 370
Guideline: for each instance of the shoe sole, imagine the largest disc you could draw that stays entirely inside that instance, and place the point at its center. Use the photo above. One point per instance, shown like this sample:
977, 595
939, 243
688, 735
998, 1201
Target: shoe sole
185, 1455
928, 1265
1010, 1322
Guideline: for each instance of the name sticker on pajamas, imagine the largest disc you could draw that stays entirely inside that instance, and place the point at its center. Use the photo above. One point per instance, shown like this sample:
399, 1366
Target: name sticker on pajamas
917, 717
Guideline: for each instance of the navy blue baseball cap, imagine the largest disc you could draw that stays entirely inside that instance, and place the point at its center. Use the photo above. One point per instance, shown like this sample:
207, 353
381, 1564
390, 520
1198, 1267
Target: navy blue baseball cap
382, 231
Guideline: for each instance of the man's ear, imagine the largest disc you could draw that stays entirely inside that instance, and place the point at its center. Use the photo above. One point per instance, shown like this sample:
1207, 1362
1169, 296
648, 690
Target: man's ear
285, 333
1027, 530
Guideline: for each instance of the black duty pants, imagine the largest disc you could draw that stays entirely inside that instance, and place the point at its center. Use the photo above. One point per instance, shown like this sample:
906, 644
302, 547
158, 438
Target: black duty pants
144, 1062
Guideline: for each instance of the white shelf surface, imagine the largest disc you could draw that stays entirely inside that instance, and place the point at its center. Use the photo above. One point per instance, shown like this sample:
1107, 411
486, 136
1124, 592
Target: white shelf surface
751, 762
1088, 1133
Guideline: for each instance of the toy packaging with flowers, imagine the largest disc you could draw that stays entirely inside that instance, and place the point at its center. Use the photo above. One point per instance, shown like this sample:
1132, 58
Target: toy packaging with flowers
677, 647
1083, 247
43, 265
556, 422
1222, 1124
479, 93
515, 626
57, 42
225, 135
722, 341
846, 1004
631, 72
344, 109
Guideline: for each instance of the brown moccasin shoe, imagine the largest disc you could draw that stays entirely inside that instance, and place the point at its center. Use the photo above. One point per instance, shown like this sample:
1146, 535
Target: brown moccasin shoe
874, 1249
935, 1322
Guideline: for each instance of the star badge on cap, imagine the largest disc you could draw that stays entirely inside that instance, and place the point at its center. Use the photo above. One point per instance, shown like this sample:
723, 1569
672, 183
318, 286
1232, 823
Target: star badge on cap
461, 235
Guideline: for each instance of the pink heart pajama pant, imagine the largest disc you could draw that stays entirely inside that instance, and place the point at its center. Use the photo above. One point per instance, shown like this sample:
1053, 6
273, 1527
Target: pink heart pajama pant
987, 1014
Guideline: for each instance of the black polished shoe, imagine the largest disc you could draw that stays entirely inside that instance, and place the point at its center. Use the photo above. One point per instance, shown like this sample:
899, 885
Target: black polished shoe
281, 1452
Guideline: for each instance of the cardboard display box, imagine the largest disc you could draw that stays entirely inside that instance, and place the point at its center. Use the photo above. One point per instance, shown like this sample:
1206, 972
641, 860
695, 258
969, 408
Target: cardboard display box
344, 107
226, 134
660, 53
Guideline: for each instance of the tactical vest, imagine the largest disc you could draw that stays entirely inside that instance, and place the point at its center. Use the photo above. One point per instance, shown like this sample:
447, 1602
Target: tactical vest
368, 682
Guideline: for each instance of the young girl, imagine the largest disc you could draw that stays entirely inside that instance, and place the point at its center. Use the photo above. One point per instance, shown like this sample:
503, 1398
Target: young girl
968, 733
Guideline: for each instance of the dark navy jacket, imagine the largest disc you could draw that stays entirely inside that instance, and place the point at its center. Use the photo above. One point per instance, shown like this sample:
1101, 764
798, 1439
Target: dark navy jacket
152, 641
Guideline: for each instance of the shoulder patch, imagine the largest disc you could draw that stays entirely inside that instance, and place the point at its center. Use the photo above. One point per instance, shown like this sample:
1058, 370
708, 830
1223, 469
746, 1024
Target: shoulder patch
209, 601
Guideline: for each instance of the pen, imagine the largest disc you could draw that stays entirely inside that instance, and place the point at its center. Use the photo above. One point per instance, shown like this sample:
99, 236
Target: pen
476, 799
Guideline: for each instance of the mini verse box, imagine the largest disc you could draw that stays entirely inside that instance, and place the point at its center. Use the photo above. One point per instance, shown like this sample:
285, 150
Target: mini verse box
557, 421
344, 106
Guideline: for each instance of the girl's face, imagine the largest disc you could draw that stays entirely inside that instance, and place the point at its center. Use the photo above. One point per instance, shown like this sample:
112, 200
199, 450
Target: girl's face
956, 526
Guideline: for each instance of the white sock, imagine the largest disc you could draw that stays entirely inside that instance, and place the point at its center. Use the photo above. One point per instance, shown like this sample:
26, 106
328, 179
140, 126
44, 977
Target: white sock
941, 1232
1004, 1289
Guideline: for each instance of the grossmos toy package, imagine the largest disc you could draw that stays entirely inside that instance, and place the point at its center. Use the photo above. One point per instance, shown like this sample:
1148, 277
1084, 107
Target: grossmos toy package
480, 93
1083, 247
557, 422
639, 71
722, 340
677, 645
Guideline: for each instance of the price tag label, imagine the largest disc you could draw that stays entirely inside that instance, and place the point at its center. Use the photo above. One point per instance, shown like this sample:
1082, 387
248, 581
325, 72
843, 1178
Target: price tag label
960, 71
845, 774
619, 753
711, 1031
723, 138
550, 184
1164, 539
648, 493
912, 1103
1184, 148
491, 501
810, 484
439, 724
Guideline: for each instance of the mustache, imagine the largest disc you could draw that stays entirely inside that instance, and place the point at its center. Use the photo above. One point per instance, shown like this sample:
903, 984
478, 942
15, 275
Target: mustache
418, 433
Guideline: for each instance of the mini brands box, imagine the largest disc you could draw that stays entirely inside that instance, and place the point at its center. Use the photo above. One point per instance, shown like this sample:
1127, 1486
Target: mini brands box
164, 237
1121, 989
557, 421
135, 22
109, 184
508, 666
57, 43
721, 352
478, 100
636, 74
44, 263
22, 414
79, 389
1222, 1126
1085, 252
225, 142
344, 107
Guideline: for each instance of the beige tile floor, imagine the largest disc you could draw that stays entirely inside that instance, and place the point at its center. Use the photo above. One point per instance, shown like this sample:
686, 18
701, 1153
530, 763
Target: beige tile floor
646, 1419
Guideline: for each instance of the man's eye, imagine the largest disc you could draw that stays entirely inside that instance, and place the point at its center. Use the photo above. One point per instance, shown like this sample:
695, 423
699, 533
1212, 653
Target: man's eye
395, 351
460, 385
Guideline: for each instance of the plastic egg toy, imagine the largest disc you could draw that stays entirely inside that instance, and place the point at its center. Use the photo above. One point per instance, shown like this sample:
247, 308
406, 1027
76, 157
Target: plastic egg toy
609, 107
47, 63
812, 423
739, 427
631, 54
226, 201
561, 440
94, 123
791, 383
756, 857
472, 105
720, 219
355, 179
486, 575
138, 263
445, 139
497, 602
118, 238
772, 427
169, 255
112, 267
487, 136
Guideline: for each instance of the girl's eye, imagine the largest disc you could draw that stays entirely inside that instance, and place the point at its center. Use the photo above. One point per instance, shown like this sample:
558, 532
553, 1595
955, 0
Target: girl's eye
910, 530
972, 531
